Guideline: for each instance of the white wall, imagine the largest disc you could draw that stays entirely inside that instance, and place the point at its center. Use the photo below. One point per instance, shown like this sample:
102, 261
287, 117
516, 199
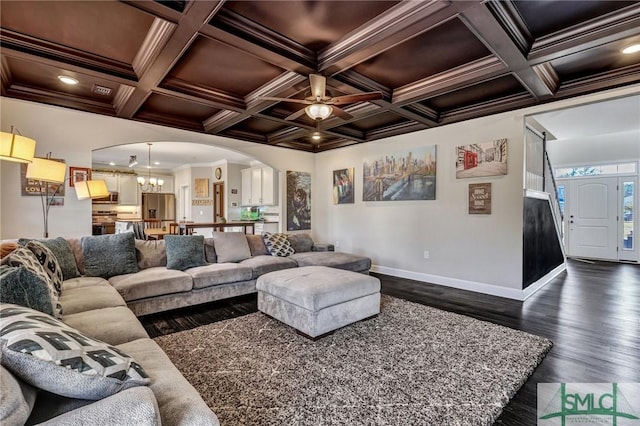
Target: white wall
72, 135
467, 248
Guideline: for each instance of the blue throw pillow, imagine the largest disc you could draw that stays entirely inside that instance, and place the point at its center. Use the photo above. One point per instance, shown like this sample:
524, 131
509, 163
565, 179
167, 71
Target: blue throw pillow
184, 251
22, 287
109, 255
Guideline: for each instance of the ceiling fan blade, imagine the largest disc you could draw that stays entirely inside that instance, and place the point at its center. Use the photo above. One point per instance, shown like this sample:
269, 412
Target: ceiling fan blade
295, 115
357, 97
318, 86
339, 112
293, 100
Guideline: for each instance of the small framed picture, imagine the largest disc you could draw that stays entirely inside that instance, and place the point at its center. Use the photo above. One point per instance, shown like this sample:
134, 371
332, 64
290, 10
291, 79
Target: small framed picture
78, 174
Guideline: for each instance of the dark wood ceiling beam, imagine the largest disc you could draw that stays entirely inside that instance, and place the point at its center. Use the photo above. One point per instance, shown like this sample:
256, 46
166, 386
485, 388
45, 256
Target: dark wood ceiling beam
423, 110
288, 134
196, 15
321, 147
282, 86
612, 27
197, 93
349, 81
276, 48
395, 130
510, 17
5, 75
606, 80
400, 23
486, 108
23, 46
483, 24
455, 78
60, 99
167, 120
156, 38
156, 9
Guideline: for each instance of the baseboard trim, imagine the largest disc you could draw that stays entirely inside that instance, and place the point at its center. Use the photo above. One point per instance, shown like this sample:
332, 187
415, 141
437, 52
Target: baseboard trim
490, 289
493, 290
529, 291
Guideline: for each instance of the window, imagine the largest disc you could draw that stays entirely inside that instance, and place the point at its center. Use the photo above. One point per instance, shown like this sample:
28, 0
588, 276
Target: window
603, 169
627, 215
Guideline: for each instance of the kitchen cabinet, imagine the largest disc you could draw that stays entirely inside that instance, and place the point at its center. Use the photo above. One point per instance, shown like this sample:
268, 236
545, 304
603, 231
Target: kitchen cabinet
110, 179
260, 227
128, 190
258, 186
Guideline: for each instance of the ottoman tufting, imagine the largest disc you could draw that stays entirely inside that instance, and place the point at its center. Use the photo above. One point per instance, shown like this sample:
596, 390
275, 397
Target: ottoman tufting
316, 300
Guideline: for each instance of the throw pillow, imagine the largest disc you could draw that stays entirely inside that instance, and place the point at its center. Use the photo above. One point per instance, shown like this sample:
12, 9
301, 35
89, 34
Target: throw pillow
184, 251
48, 261
231, 246
63, 252
50, 355
22, 287
22, 256
256, 245
277, 244
7, 248
16, 399
301, 243
109, 255
210, 251
151, 253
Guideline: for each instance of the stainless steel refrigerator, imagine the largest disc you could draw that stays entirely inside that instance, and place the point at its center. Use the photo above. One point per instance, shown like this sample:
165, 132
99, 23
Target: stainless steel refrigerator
159, 206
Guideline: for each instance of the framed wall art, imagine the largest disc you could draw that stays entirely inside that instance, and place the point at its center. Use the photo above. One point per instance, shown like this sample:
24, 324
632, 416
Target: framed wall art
343, 186
78, 174
481, 159
479, 198
402, 175
298, 200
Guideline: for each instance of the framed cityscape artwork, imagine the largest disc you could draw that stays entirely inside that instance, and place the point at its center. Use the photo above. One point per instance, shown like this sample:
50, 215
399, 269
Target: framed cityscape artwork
402, 175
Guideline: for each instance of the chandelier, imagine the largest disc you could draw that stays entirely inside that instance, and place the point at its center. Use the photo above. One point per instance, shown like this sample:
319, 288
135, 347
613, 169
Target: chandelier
150, 184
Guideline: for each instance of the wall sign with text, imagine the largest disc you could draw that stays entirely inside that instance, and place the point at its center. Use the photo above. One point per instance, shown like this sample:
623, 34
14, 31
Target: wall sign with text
480, 198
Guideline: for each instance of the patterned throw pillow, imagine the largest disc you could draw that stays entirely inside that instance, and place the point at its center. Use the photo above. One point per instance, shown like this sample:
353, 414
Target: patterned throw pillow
22, 287
22, 256
277, 244
48, 261
50, 355
62, 250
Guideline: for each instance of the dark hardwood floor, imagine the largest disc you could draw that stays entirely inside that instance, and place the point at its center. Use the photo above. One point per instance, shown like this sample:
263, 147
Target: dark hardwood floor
591, 313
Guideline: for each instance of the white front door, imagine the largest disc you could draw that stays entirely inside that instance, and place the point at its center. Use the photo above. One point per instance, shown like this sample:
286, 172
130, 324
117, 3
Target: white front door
592, 221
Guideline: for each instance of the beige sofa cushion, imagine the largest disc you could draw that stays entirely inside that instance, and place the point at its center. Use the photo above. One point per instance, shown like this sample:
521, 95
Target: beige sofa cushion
151, 282
83, 299
111, 325
179, 402
218, 273
260, 265
347, 261
83, 282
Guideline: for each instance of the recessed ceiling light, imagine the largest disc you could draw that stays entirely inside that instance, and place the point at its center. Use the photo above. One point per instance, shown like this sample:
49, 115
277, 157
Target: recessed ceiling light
156, 163
631, 49
111, 163
67, 80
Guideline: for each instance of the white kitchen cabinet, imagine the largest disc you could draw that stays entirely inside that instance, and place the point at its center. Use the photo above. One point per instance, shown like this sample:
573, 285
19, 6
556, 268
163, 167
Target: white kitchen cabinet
110, 179
128, 190
246, 187
258, 186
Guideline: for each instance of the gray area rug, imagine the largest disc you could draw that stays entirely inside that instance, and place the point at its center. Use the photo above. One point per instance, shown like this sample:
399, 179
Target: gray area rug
410, 365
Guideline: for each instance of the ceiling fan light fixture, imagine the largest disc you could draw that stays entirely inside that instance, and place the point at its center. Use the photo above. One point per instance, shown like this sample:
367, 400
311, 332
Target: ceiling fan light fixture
318, 111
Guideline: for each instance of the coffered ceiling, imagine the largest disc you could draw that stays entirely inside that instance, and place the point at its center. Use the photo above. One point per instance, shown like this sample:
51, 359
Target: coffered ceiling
206, 65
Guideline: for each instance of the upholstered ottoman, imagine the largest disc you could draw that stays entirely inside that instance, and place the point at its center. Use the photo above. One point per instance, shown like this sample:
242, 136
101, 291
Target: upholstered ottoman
316, 300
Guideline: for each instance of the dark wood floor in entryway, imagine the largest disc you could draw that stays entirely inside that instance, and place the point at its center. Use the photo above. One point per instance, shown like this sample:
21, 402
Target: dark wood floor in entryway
591, 313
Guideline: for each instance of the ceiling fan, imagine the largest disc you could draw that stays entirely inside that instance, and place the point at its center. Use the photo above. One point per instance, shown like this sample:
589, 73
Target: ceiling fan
319, 106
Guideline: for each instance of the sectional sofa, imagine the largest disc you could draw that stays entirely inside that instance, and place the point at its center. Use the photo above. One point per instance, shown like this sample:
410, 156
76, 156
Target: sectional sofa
103, 303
